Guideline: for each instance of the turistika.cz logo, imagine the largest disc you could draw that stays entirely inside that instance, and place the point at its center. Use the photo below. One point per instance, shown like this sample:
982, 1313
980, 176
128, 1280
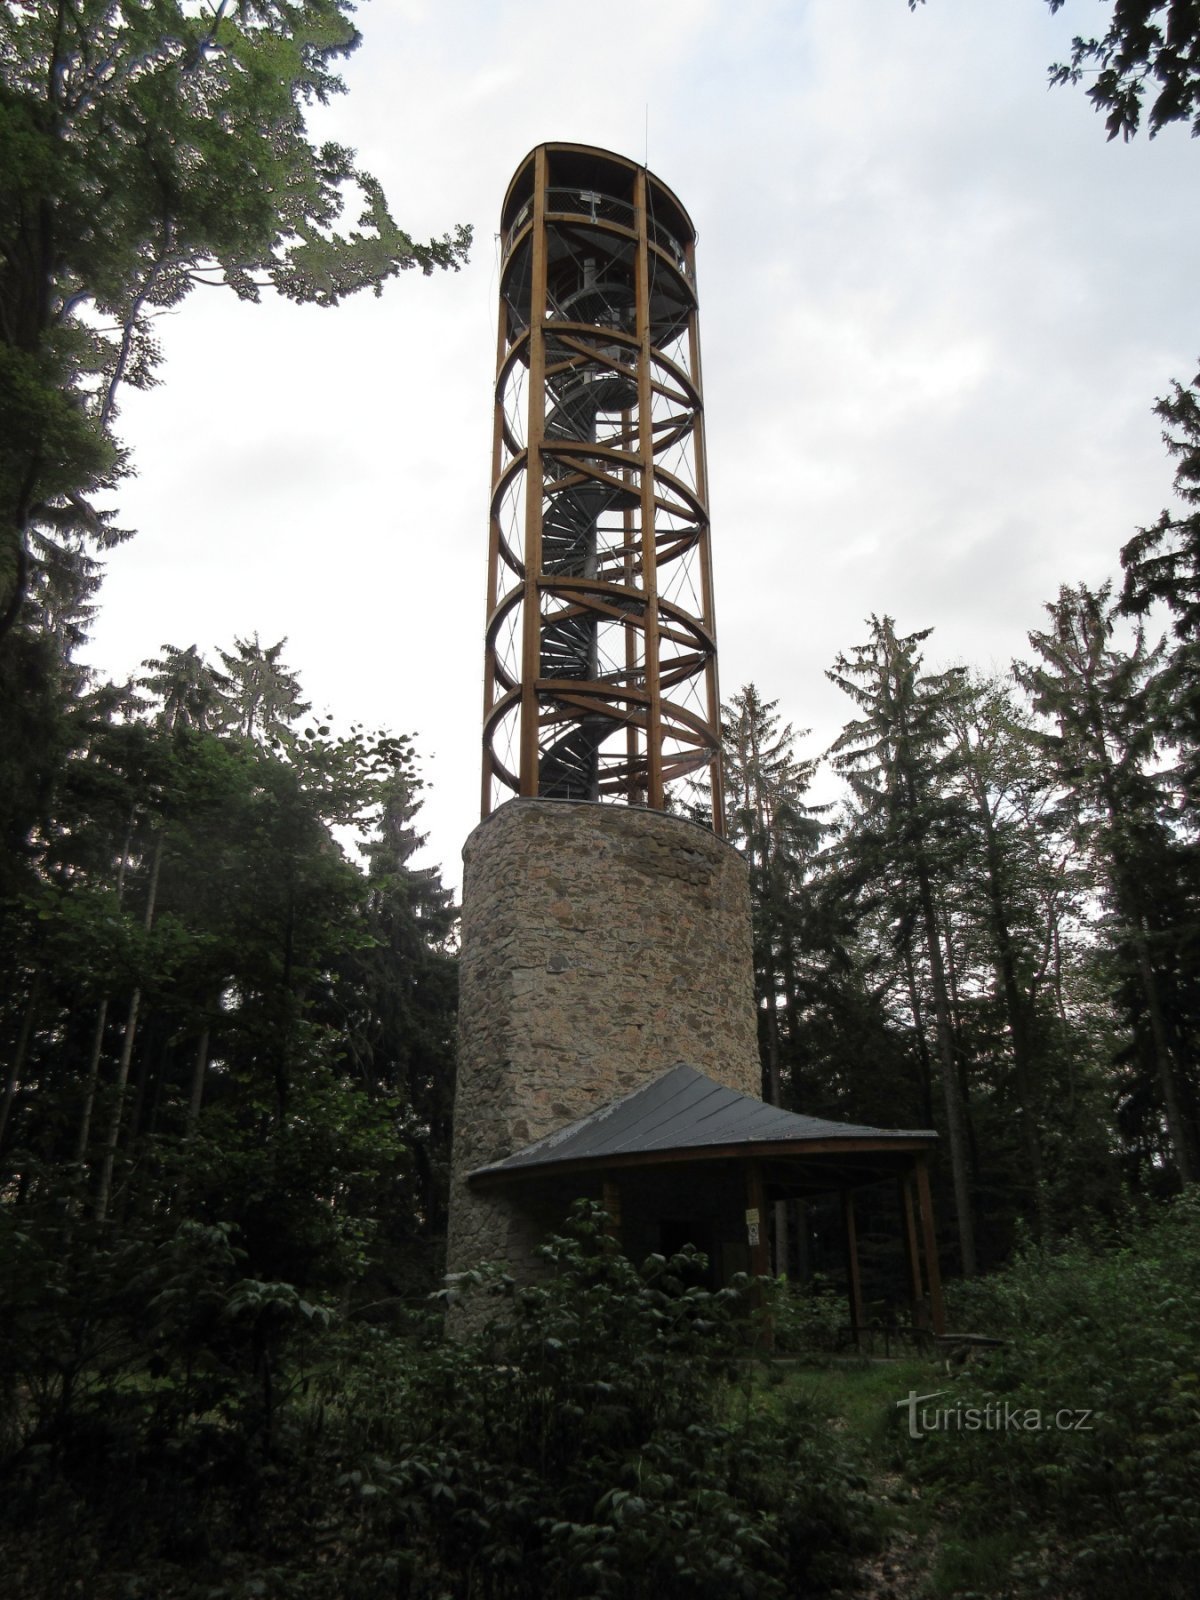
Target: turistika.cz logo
995, 1417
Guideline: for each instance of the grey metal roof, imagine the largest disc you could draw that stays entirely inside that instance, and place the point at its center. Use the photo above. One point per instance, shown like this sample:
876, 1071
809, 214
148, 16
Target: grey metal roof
685, 1110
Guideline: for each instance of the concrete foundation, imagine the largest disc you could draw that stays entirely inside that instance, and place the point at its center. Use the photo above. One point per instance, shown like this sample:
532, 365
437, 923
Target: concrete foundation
601, 945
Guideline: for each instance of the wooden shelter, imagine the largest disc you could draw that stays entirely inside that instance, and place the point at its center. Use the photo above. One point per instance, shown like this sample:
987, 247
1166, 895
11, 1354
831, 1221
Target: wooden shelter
687, 1159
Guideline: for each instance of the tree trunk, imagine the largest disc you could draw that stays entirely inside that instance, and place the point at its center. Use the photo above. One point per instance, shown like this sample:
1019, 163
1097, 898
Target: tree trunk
924, 1065
89, 1092
199, 1069
791, 1010
1018, 1014
1177, 1122
19, 1056
104, 1192
93, 1077
956, 1122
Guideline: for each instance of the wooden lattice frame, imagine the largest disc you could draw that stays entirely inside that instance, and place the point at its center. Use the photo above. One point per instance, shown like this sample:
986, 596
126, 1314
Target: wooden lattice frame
600, 662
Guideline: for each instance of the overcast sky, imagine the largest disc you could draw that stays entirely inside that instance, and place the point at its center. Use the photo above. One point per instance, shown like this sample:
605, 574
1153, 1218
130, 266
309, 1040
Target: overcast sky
936, 308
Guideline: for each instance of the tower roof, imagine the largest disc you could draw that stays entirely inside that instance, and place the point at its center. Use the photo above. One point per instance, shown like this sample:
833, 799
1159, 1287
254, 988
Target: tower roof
683, 1114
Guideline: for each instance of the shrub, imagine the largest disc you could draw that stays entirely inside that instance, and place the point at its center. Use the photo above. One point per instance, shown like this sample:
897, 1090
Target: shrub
809, 1319
187, 1433
589, 1442
1112, 1508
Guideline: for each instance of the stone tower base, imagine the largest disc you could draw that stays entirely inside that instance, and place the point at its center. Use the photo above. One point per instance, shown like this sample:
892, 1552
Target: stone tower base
601, 945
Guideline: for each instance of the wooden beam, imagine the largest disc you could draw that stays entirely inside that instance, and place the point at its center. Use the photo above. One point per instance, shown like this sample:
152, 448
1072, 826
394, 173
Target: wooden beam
531, 641
654, 783
712, 690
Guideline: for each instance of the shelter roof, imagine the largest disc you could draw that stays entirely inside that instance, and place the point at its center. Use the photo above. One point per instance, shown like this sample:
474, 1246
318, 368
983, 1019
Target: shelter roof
683, 1114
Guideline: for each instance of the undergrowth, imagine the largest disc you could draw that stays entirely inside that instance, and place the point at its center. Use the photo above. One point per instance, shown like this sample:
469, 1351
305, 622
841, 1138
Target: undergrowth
194, 1434
1083, 1477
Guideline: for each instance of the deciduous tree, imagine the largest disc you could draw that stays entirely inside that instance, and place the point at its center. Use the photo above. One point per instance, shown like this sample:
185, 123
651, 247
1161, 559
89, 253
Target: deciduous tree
145, 149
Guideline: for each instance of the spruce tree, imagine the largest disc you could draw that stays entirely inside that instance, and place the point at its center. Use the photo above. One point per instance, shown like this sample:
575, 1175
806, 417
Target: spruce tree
899, 761
1118, 800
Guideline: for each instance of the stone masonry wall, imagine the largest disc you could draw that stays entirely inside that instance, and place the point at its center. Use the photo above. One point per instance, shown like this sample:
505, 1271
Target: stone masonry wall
601, 945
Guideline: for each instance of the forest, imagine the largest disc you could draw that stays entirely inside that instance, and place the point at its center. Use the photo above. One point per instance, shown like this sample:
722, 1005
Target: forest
228, 999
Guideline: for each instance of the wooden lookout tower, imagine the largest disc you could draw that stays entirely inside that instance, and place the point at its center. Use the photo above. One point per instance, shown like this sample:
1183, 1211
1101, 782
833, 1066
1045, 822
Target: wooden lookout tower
600, 668
608, 1029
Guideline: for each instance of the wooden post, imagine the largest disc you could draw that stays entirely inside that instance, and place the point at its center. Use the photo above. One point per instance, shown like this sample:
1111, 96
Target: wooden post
912, 1255
713, 708
932, 1270
756, 1221
651, 642
756, 1237
852, 1275
531, 639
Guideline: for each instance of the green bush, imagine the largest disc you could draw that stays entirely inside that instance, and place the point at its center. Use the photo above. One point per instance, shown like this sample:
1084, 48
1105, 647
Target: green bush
590, 1441
1112, 1507
180, 1431
809, 1319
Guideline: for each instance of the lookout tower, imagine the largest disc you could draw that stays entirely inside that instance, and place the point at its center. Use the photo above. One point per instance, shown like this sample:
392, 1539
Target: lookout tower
600, 672
608, 1038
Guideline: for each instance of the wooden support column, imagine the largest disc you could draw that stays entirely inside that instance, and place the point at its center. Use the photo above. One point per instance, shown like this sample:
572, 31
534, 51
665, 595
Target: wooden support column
654, 774
756, 1221
852, 1274
713, 705
933, 1272
531, 639
756, 1237
912, 1254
